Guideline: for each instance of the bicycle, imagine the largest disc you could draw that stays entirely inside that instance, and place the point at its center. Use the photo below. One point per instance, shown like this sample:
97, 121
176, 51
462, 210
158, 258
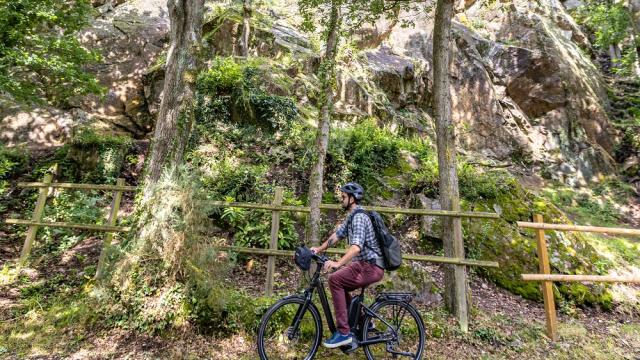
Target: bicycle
292, 327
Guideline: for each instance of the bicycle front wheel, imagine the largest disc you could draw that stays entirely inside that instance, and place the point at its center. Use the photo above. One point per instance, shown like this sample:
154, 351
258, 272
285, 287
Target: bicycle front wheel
402, 328
279, 338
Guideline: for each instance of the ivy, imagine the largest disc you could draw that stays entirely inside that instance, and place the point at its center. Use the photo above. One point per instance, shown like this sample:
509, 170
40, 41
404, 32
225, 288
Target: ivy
229, 92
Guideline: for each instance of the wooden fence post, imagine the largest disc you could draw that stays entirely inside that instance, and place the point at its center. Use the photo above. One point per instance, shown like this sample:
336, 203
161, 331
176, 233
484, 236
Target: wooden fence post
275, 229
113, 217
37, 217
547, 286
460, 277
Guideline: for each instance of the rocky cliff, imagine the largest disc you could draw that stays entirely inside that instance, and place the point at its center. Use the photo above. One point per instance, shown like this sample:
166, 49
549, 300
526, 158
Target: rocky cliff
524, 88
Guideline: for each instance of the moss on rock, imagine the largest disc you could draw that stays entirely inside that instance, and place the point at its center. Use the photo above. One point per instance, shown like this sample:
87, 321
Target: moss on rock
516, 249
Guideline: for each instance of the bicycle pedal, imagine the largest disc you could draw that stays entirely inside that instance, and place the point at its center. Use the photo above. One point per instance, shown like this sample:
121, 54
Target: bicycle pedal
348, 349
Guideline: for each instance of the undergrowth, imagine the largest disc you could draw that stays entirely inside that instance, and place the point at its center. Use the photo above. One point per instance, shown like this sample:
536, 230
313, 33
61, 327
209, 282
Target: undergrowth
169, 276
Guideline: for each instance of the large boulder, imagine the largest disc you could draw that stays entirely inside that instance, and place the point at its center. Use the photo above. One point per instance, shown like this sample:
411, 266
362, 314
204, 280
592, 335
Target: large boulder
37, 127
523, 90
131, 37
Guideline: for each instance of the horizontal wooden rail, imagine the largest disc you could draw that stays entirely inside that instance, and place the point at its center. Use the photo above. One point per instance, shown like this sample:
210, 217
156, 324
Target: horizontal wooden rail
578, 278
77, 186
483, 215
565, 227
104, 228
433, 259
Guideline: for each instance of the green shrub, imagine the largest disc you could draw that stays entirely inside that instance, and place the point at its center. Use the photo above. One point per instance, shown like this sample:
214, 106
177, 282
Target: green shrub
88, 157
243, 182
490, 336
253, 227
79, 207
361, 154
98, 158
222, 78
224, 310
478, 185
12, 161
229, 92
475, 185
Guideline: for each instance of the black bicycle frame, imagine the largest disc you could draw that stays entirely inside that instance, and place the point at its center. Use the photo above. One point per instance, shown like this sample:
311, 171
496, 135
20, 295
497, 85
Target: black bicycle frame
316, 283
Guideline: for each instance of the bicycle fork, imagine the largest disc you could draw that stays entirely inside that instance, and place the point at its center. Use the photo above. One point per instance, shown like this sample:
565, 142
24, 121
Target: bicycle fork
308, 296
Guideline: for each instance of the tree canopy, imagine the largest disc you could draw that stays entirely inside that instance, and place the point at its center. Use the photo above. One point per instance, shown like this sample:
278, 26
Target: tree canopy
41, 58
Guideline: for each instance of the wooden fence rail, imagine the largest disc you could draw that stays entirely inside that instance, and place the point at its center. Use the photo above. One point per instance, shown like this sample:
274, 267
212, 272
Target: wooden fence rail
380, 209
545, 269
426, 258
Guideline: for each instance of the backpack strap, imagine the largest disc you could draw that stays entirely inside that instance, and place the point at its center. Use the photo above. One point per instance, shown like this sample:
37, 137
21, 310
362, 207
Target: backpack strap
350, 220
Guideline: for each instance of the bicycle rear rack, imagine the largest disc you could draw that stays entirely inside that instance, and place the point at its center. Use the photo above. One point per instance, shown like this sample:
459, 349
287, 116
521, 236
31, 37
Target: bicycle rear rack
396, 296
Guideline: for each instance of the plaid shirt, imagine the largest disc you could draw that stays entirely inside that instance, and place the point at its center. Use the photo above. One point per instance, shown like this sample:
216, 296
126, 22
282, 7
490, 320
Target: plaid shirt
359, 233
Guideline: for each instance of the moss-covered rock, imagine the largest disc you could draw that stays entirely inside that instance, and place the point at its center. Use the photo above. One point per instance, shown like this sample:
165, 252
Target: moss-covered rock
411, 277
93, 157
516, 250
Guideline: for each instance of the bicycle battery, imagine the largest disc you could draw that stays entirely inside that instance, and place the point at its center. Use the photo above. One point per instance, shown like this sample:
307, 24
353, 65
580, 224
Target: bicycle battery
354, 311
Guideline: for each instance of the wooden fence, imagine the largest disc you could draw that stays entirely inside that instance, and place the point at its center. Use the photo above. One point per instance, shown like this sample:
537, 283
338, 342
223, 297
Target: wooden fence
276, 208
45, 187
545, 269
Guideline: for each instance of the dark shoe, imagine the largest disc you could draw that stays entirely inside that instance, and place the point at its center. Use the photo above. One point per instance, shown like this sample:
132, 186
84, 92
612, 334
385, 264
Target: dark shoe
337, 340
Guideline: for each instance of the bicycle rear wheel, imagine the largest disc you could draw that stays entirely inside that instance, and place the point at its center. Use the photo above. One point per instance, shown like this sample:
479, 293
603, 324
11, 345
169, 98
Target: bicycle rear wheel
405, 321
278, 340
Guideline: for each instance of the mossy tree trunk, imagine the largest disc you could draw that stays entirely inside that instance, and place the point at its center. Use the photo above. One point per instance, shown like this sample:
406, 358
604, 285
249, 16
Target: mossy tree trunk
246, 27
455, 276
327, 82
634, 13
176, 113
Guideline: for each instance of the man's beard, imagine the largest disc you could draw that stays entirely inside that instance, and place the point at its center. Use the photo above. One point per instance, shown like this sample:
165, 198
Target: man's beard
346, 207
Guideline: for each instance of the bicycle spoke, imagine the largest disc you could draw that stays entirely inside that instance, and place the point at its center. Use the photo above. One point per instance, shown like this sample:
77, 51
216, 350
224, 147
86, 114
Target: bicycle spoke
278, 339
404, 312
401, 325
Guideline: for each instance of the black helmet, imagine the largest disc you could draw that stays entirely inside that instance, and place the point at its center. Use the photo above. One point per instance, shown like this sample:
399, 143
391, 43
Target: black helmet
353, 189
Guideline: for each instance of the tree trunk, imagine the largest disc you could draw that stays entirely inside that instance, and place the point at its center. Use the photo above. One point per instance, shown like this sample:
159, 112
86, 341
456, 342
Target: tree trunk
613, 55
176, 113
455, 276
327, 79
246, 30
634, 15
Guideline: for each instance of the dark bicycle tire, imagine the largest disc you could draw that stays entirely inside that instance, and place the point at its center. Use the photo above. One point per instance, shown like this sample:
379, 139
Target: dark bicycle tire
383, 308
278, 309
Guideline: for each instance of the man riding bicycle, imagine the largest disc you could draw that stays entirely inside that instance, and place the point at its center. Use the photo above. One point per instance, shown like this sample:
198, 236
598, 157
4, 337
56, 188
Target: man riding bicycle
365, 264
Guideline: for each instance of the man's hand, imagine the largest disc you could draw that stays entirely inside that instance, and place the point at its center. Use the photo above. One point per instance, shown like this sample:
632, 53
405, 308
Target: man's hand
330, 265
315, 250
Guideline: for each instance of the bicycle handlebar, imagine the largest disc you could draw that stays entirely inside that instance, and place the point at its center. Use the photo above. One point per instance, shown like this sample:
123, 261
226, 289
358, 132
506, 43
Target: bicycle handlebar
321, 259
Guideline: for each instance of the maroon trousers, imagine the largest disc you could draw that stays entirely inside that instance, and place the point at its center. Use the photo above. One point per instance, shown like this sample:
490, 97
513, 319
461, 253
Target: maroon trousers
351, 277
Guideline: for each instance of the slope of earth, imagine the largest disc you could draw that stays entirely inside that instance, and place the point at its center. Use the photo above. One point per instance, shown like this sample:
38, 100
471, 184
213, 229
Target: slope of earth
45, 324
